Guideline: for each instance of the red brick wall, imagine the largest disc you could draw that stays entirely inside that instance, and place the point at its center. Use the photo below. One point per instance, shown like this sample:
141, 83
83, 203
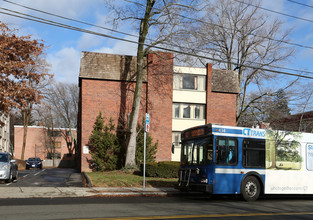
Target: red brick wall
36, 143
221, 107
112, 98
160, 99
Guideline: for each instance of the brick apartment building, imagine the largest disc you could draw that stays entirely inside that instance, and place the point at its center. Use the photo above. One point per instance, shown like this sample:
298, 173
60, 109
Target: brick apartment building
175, 97
302, 122
41, 143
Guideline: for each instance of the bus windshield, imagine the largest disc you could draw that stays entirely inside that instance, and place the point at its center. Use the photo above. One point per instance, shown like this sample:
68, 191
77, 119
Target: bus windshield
197, 152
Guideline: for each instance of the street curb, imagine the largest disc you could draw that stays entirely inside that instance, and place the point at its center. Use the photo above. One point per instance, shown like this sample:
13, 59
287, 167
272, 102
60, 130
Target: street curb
86, 179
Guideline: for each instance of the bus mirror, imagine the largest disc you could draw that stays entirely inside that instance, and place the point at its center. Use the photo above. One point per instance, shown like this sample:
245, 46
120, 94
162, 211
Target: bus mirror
173, 148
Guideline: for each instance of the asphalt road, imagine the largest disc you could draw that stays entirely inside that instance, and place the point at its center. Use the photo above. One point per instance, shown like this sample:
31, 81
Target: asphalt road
188, 207
135, 208
51, 177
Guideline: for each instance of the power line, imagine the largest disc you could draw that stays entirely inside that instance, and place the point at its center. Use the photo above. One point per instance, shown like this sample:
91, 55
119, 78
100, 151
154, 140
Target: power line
66, 18
167, 44
198, 20
57, 24
273, 11
299, 3
252, 34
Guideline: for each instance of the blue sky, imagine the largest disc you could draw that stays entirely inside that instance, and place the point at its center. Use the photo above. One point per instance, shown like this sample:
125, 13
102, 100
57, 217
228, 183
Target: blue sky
65, 46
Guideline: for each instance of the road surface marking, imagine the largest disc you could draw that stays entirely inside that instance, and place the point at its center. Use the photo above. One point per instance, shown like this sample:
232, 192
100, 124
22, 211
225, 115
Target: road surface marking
204, 216
39, 172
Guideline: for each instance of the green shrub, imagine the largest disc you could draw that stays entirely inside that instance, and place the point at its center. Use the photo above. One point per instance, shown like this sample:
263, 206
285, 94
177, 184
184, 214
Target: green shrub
151, 169
104, 145
166, 169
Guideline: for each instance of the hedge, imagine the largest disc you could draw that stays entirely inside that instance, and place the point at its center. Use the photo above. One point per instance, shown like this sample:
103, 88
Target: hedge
165, 169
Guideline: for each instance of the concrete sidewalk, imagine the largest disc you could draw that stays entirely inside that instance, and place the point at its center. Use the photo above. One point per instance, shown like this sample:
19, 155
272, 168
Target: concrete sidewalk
59, 192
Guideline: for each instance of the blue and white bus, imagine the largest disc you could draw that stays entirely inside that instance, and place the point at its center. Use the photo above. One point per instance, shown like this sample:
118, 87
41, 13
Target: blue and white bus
220, 159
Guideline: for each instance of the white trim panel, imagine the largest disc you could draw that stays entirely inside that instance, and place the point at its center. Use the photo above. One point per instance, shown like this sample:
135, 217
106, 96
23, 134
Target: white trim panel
190, 70
237, 171
189, 96
182, 124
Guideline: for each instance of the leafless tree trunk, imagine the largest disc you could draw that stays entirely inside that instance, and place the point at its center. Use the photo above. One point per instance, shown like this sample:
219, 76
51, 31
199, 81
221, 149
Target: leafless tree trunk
41, 67
160, 21
26, 116
144, 28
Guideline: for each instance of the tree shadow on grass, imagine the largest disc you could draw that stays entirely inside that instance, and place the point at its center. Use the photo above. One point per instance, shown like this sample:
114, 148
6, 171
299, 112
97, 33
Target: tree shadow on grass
160, 183
157, 182
137, 173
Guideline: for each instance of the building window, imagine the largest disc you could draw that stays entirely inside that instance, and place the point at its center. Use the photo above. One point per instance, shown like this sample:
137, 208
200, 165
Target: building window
50, 155
176, 110
176, 138
192, 111
199, 111
189, 82
54, 133
186, 111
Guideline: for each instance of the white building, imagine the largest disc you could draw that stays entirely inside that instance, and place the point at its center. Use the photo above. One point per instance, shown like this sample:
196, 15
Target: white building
189, 101
4, 132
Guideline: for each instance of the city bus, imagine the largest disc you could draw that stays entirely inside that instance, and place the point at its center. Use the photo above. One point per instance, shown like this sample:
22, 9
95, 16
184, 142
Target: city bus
219, 159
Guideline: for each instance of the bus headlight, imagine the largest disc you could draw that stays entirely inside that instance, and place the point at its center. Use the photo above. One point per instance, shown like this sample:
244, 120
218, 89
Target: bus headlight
204, 180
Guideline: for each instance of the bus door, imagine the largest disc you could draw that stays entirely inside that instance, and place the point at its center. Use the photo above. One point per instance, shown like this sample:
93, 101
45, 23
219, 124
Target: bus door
196, 170
227, 180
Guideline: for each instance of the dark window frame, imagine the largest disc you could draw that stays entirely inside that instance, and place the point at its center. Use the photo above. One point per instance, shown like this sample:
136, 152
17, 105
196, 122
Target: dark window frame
192, 148
246, 149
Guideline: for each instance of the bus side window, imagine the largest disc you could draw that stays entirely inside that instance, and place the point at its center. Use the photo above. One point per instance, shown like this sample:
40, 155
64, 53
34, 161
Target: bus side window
253, 153
222, 154
226, 151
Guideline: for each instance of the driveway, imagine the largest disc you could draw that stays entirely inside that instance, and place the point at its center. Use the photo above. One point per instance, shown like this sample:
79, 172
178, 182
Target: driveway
47, 177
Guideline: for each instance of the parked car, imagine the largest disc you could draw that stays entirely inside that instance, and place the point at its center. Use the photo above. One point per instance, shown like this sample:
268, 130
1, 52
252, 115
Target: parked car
8, 168
33, 162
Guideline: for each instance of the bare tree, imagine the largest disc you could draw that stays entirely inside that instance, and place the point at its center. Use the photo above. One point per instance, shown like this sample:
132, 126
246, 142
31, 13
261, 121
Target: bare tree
301, 104
49, 121
39, 67
62, 99
157, 22
238, 36
266, 109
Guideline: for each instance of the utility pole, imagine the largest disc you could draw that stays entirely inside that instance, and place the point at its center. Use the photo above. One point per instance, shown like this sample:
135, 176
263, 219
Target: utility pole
147, 128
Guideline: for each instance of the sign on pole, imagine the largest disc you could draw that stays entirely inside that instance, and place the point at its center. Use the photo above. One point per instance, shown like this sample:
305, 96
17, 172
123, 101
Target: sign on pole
147, 127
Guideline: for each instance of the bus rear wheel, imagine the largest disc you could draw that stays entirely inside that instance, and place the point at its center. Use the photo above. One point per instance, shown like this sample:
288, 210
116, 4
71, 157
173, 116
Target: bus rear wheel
250, 189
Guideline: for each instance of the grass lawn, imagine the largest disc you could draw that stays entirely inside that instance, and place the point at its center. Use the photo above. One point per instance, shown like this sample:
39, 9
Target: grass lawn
120, 178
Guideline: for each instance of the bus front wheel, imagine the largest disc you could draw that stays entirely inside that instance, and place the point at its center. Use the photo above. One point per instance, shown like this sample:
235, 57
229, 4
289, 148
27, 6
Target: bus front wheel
250, 189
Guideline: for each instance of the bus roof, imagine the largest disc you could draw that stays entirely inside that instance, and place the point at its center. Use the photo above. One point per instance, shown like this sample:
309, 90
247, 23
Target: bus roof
215, 129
